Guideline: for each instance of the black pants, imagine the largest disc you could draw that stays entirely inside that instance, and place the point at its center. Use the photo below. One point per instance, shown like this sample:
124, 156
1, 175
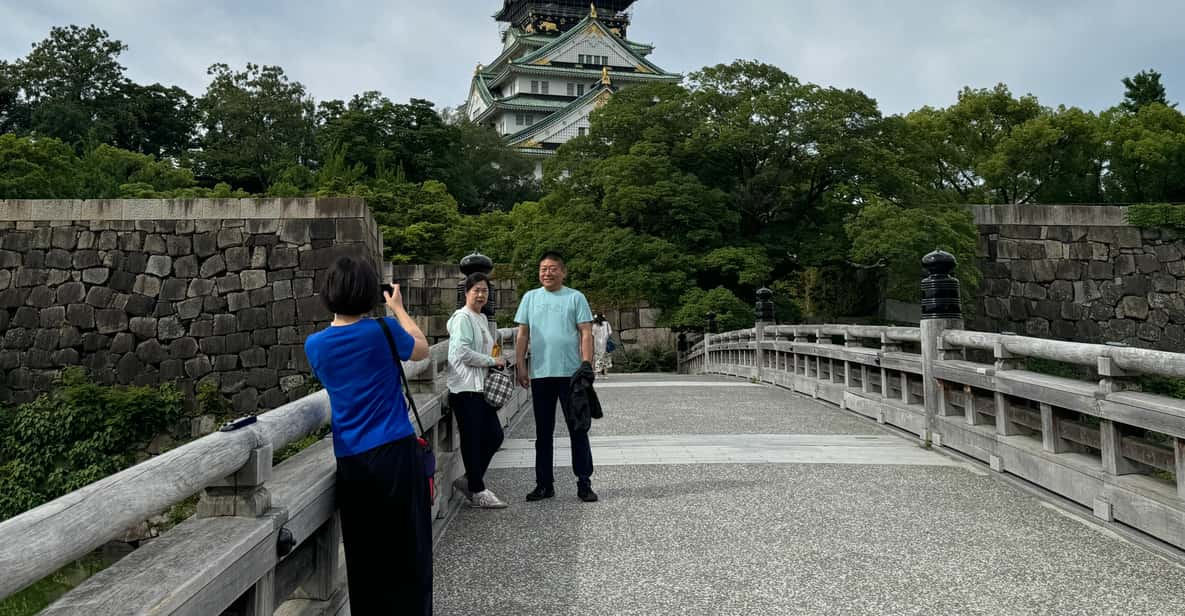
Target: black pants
481, 435
544, 394
382, 495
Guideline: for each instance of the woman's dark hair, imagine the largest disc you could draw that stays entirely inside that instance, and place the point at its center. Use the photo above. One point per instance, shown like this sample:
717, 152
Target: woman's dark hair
472, 279
600, 318
351, 287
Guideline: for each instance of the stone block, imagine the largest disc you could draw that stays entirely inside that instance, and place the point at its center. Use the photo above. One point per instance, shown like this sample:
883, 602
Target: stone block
1101, 270
39, 358
139, 305
81, 315
302, 288
232, 380
1032, 250
31, 277
1148, 331
110, 321
26, 316
1061, 290
229, 237
10, 259
286, 335
263, 225
1121, 329
1159, 318
254, 357
246, 400
237, 258
198, 367
147, 285
69, 336
174, 289
123, 342
134, 262
96, 275
159, 266
311, 309
322, 258
264, 337
169, 328
205, 245
190, 309
66, 357
185, 266
16, 241
1128, 237
99, 297
213, 345
11, 298
60, 259
1037, 327
35, 259
178, 245
108, 240
260, 297
93, 342
130, 241
144, 327
253, 318
259, 258
225, 324
1007, 249
229, 284
212, 267
238, 342
1166, 253
291, 231
1035, 291
282, 289
65, 237
6, 280
57, 277
1125, 265
199, 287
151, 352
1073, 312
238, 301
18, 338
1164, 282
1102, 312
41, 297
154, 244
202, 327
183, 348
253, 279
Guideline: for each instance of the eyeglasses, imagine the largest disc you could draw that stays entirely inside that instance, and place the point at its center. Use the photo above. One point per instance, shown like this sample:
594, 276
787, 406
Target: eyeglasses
479, 291
550, 269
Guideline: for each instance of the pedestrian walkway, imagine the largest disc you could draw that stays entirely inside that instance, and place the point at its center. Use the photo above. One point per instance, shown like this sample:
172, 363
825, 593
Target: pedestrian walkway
722, 497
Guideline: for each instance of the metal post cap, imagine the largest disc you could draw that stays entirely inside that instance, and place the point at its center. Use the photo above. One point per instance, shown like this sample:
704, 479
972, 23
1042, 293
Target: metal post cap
476, 262
939, 263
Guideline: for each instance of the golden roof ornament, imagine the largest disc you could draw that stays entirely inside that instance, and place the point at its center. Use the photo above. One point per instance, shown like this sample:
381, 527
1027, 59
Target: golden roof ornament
605, 76
592, 10
478, 68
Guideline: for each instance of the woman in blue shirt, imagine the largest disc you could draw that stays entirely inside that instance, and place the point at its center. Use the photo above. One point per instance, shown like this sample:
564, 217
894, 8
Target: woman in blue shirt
382, 492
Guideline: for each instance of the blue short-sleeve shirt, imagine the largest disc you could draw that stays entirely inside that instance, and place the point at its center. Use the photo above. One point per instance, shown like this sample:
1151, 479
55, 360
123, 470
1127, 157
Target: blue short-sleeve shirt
354, 364
552, 318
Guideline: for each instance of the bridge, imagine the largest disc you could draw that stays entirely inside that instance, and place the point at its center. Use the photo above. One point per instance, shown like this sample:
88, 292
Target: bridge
785, 469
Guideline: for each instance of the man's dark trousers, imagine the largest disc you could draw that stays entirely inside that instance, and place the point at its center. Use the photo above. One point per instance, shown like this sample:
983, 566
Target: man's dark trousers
545, 392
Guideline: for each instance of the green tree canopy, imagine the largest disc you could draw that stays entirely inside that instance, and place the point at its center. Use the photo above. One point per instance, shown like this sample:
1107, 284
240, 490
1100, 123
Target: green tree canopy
1143, 89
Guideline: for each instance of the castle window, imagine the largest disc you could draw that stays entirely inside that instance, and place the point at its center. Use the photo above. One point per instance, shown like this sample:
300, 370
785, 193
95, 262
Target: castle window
544, 86
534, 87
582, 131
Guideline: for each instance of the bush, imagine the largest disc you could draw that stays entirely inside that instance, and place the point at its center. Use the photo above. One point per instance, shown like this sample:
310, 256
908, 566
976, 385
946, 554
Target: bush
76, 434
1156, 215
645, 359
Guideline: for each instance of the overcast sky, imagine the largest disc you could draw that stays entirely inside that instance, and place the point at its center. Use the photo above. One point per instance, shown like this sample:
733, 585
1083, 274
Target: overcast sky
904, 53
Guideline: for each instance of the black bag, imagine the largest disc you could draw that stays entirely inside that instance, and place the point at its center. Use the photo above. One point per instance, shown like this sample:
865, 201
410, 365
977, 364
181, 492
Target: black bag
426, 454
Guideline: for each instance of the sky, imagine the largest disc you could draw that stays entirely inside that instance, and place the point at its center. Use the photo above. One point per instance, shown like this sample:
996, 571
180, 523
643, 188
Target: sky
904, 53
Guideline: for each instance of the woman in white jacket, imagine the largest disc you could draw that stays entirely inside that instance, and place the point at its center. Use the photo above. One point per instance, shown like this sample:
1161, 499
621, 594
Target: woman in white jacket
469, 348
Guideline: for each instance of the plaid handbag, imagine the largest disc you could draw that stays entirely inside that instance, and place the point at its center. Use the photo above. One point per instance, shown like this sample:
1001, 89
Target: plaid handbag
499, 387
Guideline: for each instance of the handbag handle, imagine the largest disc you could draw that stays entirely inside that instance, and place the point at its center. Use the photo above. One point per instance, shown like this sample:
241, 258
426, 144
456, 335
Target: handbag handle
402, 375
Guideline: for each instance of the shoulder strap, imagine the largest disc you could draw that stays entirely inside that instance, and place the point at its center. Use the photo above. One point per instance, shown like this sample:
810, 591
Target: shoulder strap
399, 368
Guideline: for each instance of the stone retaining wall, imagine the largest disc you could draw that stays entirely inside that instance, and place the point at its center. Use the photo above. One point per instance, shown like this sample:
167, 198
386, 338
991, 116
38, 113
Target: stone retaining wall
1080, 273
149, 291
430, 292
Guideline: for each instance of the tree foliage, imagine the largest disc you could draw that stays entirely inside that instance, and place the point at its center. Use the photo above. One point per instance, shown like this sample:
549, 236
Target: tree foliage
1143, 89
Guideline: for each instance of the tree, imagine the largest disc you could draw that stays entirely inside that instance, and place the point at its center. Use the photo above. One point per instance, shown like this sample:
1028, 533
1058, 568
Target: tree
256, 124
731, 312
155, 120
108, 172
72, 82
1143, 89
486, 174
14, 113
37, 169
1146, 152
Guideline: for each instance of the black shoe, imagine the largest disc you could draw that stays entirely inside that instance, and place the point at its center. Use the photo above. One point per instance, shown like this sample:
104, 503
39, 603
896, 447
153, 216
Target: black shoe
540, 493
586, 494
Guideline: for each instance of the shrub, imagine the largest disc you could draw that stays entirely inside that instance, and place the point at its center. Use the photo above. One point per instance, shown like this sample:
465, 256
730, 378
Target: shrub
659, 358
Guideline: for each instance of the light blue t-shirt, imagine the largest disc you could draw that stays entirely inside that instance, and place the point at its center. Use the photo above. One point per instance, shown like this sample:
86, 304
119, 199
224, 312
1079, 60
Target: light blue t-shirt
552, 319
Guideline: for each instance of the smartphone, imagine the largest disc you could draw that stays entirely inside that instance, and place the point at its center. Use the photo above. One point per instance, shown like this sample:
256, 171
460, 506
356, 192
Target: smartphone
387, 289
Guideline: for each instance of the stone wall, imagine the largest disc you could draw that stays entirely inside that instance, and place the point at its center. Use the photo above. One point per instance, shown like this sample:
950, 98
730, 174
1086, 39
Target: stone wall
1080, 273
430, 292
189, 290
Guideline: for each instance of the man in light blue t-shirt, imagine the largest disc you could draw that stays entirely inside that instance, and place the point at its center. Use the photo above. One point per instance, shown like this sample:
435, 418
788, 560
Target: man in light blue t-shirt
555, 322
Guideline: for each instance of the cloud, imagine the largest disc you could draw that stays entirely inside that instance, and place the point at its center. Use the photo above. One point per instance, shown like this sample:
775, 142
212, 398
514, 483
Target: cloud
905, 54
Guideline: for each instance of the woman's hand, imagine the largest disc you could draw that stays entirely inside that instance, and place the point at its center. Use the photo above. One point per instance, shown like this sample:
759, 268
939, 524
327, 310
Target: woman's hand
499, 363
394, 299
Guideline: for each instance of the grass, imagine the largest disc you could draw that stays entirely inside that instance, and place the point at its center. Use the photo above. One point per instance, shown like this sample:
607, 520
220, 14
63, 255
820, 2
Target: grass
38, 596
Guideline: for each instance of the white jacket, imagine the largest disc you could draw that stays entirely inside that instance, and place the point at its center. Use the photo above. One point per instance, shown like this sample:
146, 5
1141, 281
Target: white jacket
469, 347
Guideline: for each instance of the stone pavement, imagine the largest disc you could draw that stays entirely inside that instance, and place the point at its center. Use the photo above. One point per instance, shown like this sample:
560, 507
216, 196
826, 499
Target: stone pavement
721, 497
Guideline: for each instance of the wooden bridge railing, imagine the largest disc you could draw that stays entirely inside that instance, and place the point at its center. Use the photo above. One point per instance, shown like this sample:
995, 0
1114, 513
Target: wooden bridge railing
1100, 442
261, 534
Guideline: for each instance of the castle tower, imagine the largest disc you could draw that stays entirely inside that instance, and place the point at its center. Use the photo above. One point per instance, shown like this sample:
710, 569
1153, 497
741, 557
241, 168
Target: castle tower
560, 60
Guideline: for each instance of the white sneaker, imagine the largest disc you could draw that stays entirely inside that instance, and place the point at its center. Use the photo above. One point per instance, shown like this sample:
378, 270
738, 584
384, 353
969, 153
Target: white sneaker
487, 500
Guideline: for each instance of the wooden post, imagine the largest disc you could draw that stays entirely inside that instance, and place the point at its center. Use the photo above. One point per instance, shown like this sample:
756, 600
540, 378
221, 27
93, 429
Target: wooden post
261, 598
242, 494
1051, 438
1179, 451
1112, 450
969, 406
1004, 423
326, 562
865, 385
905, 387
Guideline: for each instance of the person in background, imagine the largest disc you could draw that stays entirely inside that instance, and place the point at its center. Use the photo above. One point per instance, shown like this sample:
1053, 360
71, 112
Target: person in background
469, 358
601, 330
382, 491
555, 323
